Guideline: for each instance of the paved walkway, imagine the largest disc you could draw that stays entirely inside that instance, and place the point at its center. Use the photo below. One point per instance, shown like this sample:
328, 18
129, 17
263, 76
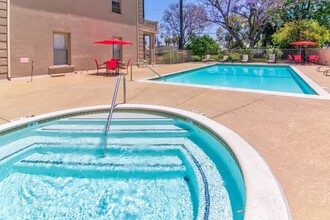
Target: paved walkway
292, 134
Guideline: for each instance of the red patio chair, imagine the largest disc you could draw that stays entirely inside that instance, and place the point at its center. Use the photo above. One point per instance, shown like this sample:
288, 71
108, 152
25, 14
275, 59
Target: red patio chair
125, 67
290, 58
314, 59
297, 58
311, 58
112, 66
99, 67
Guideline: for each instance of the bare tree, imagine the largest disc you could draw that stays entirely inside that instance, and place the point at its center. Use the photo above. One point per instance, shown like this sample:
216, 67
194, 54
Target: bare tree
194, 21
245, 19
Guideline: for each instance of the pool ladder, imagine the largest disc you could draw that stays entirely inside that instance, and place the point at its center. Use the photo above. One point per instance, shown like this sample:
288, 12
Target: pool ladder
155, 72
114, 98
146, 65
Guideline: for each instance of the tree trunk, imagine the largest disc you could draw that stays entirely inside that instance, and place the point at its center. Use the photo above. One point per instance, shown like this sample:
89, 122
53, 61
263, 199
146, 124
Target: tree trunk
181, 26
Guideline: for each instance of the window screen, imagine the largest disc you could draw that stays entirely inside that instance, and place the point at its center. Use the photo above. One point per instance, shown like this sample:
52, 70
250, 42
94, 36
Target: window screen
60, 49
116, 6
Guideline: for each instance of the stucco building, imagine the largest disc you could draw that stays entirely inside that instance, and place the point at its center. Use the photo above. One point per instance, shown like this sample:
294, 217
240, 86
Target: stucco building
57, 36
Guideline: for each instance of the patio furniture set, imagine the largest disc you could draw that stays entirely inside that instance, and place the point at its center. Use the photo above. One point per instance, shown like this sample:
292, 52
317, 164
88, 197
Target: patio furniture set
111, 67
245, 58
299, 59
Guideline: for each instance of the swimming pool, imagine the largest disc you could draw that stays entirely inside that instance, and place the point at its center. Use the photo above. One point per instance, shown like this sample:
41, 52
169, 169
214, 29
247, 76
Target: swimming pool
156, 163
252, 77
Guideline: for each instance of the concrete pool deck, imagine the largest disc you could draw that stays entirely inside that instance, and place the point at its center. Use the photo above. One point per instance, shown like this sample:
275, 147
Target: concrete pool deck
292, 134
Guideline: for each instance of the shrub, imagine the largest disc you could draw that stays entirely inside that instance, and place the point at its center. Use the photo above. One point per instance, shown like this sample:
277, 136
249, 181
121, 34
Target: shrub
196, 58
248, 52
214, 57
278, 52
221, 55
235, 57
202, 45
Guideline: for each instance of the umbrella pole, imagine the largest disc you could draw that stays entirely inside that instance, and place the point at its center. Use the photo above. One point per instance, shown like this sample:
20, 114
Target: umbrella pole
124, 86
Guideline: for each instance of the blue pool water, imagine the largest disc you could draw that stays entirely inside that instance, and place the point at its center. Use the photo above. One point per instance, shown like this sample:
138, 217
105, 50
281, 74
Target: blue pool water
258, 77
147, 167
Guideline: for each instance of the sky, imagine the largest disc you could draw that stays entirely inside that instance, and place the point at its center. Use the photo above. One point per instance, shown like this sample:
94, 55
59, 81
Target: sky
154, 10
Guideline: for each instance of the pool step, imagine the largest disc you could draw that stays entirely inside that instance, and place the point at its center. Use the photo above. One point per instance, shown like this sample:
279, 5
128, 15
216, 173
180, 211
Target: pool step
114, 128
115, 122
85, 130
122, 125
87, 144
113, 149
119, 118
124, 165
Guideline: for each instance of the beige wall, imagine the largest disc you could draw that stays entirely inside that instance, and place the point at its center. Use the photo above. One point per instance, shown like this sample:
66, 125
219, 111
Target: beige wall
33, 23
324, 56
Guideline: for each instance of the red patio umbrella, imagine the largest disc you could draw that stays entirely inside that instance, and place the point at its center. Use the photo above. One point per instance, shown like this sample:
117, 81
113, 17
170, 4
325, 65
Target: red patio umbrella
113, 41
304, 43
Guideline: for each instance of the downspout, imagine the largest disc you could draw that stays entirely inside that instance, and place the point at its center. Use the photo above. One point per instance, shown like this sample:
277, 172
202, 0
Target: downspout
138, 29
8, 42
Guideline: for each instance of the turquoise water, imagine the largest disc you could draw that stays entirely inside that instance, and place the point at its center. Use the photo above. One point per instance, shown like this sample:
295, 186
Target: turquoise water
148, 167
258, 77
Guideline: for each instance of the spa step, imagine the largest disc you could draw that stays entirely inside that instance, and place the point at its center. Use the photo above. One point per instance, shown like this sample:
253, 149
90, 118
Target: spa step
108, 166
114, 149
94, 145
115, 130
118, 118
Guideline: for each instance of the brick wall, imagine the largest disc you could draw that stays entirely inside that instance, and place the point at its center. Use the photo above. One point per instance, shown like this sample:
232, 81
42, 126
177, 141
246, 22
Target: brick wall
3, 40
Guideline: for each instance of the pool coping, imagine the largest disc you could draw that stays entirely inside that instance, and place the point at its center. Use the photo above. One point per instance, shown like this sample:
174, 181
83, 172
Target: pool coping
322, 94
265, 198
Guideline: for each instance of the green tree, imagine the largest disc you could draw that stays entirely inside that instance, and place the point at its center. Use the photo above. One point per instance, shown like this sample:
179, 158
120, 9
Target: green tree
318, 10
245, 20
168, 41
202, 45
301, 30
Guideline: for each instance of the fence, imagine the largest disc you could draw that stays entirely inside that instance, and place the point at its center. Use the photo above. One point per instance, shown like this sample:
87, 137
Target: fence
255, 55
261, 55
172, 56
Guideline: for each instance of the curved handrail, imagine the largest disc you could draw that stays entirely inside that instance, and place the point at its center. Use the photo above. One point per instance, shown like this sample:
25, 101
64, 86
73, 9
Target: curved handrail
113, 104
146, 65
162, 77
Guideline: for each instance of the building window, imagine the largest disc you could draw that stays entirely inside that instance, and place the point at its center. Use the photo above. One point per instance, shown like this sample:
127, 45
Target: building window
61, 48
117, 51
116, 6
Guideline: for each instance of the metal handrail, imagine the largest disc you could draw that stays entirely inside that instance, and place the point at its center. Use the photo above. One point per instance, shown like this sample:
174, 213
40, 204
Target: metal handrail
146, 65
155, 72
114, 98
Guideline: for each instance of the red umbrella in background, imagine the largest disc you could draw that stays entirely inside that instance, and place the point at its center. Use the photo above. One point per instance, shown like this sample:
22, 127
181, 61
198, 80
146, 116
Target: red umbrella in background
304, 43
113, 41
